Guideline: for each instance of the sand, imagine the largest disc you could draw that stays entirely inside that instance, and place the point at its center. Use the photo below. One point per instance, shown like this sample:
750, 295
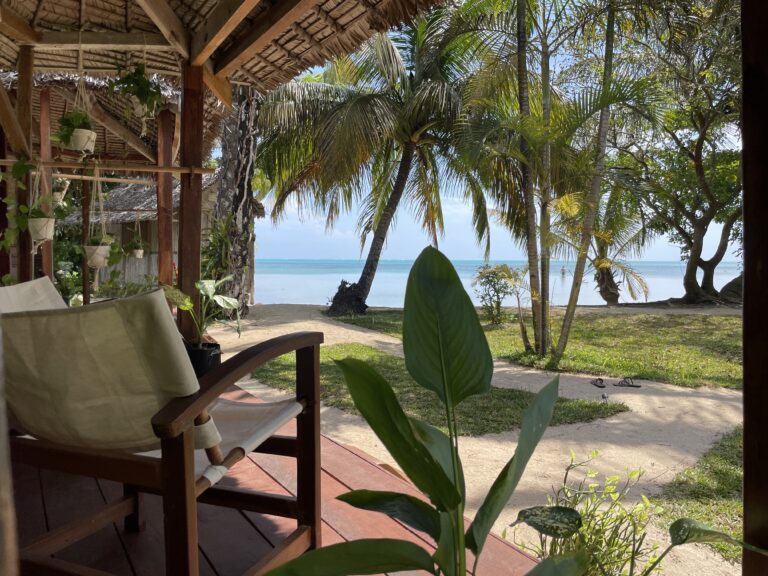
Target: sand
667, 429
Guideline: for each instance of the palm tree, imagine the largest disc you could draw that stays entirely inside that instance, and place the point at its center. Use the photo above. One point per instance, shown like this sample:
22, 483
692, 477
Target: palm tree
374, 128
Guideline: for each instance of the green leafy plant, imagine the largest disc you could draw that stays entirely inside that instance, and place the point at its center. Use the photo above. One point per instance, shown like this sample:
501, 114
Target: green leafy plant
71, 121
211, 305
99, 240
492, 287
445, 352
146, 94
216, 255
135, 243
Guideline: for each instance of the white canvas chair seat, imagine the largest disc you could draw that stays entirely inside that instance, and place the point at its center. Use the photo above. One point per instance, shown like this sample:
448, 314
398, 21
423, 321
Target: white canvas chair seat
100, 388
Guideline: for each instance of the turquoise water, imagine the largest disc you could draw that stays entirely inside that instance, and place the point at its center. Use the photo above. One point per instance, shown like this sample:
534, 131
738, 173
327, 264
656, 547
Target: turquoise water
315, 281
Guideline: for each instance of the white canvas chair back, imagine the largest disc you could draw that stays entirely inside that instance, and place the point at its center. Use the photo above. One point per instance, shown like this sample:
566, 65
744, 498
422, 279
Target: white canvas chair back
94, 376
38, 294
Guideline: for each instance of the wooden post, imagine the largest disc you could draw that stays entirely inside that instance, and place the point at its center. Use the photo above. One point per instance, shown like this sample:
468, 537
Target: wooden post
86, 213
5, 256
24, 114
166, 122
308, 437
46, 183
190, 212
754, 22
8, 547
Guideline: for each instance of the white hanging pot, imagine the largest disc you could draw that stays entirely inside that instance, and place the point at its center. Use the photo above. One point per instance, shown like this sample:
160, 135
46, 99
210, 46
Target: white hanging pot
58, 198
138, 253
41, 229
97, 256
82, 140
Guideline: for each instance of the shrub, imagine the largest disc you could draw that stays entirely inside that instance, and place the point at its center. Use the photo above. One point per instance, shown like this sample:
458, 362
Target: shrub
492, 286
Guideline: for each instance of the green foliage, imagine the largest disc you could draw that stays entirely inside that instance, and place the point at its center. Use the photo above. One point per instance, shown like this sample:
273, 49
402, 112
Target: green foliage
116, 288
8, 280
683, 349
711, 491
211, 304
138, 86
500, 410
436, 308
492, 286
68, 281
216, 255
71, 121
135, 243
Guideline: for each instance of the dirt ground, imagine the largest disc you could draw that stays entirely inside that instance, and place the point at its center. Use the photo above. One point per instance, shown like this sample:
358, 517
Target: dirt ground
667, 429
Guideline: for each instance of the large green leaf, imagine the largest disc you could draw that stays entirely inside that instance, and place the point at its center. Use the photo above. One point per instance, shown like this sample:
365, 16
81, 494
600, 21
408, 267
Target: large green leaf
377, 403
535, 422
575, 564
371, 556
408, 509
447, 547
444, 343
554, 521
439, 445
687, 531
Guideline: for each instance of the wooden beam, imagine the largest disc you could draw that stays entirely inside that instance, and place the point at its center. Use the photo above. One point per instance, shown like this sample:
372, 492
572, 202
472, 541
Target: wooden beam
169, 24
5, 257
190, 211
166, 121
754, 22
10, 123
176, 139
220, 87
218, 26
13, 25
115, 41
108, 121
26, 67
45, 178
119, 167
269, 26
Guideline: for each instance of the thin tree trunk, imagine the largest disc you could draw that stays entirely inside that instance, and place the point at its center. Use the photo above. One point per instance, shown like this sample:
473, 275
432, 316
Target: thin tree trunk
709, 266
546, 197
530, 207
594, 193
235, 197
693, 291
350, 298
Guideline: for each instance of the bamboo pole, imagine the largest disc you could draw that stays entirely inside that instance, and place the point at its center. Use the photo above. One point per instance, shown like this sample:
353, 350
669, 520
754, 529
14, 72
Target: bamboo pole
86, 178
119, 167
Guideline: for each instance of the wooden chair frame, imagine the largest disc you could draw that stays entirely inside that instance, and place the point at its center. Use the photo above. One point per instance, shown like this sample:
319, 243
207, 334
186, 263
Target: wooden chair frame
172, 476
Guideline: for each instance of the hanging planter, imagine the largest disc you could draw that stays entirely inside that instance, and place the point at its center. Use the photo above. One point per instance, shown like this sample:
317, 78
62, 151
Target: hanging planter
41, 229
145, 95
97, 256
76, 132
136, 247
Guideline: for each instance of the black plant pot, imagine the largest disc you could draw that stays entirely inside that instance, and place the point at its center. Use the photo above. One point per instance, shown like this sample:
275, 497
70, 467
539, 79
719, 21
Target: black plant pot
205, 358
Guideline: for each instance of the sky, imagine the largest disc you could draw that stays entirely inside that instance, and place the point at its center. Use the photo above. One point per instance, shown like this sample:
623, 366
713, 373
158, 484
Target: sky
295, 238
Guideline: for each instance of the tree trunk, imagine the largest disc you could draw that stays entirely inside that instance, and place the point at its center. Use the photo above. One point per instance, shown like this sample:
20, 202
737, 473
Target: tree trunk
708, 266
693, 291
546, 197
606, 284
235, 197
594, 193
525, 149
350, 298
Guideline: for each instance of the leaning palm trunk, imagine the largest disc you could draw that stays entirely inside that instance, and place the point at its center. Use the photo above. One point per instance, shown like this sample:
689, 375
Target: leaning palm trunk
351, 298
530, 208
546, 196
235, 198
594, 193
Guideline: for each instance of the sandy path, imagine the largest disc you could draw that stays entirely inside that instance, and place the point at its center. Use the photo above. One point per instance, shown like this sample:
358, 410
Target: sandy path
667, 429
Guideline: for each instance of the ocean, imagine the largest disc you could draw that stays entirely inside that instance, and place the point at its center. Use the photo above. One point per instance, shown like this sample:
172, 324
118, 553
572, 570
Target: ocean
316, 281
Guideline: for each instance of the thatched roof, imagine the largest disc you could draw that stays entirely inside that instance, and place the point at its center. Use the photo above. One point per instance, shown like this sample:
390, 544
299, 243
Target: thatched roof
131, 202
262, 43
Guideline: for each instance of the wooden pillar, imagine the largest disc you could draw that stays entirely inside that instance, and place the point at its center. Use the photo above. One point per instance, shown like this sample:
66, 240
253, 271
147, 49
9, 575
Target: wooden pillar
24, 114
5, 257
166, 121
754, 22
9, 552
86, 214
190, 212
46, 182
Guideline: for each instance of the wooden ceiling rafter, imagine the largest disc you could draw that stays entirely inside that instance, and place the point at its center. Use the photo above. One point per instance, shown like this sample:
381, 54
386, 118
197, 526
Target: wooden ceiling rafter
219, 25
13, 25
118, 41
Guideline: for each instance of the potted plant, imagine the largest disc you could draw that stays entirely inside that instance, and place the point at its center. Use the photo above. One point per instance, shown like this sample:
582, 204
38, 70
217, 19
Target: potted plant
146, 95
204, 355
98, 250
60, 187
136, 247
76, 132
41, 225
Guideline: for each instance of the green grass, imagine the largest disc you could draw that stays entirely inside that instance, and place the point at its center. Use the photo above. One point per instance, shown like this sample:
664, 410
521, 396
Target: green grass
710, 491
498, 411
687, 350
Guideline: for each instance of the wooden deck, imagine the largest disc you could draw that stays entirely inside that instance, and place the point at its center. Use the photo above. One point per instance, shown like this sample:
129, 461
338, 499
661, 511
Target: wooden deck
230, 540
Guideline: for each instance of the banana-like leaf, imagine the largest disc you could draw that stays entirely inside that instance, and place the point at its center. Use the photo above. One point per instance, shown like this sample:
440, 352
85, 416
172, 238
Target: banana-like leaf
554, 521
535, 422
207, 287
377, 403
444, 343
447, 547
439, 445
687, 531
226, 302
403, 507
575, 564
370, 556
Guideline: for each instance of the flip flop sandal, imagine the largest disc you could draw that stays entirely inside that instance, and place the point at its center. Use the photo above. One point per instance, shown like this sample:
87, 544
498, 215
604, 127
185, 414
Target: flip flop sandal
597, 382
627, 383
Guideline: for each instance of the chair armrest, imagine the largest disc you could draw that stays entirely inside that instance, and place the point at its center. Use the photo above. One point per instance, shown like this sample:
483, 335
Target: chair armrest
180, 413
